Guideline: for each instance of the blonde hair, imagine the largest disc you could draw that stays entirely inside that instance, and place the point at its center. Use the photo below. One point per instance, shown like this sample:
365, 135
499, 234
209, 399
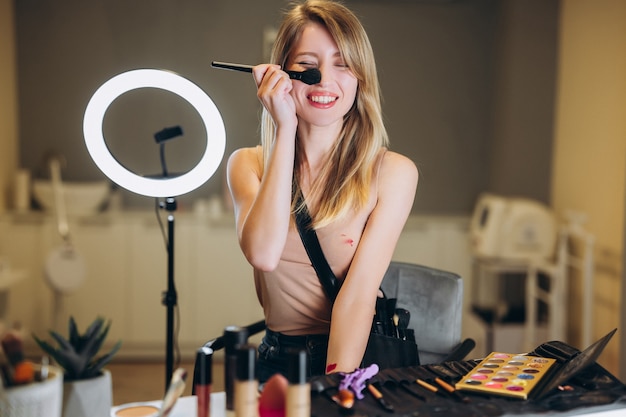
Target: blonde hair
344, 182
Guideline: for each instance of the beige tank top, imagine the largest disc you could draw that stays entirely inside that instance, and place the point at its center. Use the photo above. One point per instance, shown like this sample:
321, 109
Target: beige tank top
292, 297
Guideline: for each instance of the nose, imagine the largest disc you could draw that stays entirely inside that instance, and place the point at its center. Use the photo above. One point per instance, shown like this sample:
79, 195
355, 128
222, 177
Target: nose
325, 73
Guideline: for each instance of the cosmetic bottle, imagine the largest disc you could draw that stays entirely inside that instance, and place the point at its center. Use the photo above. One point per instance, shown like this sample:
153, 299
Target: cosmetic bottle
202, 380
246, 384
234, 336
298, 389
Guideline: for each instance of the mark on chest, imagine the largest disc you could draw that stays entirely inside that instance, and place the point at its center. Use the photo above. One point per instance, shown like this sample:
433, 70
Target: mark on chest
346, 239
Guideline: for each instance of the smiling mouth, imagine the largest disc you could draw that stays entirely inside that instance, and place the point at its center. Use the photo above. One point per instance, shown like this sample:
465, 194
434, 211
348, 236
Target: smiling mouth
322, 99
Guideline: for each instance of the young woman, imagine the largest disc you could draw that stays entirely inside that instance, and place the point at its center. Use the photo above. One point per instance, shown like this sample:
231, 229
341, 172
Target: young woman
326, 142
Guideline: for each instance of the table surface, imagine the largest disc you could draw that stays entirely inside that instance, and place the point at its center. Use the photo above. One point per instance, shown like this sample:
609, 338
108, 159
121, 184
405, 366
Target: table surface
187, 407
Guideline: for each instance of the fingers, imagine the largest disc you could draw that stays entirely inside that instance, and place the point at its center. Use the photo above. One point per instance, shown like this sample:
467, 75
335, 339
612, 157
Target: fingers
259, 71
273, 90
270, 78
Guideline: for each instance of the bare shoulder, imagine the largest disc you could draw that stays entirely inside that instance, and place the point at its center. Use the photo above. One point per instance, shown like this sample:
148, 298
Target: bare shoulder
395, 164
245, 155
397, 183
246, 159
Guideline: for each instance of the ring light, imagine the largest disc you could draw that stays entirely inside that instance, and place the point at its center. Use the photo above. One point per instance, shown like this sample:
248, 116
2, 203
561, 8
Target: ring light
165, 80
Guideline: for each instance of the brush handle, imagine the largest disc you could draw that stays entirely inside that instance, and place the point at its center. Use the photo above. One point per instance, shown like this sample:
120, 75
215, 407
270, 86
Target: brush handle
234, 67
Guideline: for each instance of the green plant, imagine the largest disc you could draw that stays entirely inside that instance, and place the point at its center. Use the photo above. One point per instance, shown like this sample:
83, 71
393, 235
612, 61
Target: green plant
77, 355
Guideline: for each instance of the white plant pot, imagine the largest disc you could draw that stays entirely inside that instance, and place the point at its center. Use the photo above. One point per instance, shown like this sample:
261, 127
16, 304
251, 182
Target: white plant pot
89, 397
36, 399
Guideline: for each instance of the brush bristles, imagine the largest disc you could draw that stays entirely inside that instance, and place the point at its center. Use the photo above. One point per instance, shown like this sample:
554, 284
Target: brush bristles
310, 76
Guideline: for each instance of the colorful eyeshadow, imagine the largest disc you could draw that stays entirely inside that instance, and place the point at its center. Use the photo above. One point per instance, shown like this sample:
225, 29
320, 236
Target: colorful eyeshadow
510, 375
520, 382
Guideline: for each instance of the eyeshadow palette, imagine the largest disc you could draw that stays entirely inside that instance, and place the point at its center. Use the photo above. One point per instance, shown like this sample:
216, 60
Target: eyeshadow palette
511, 375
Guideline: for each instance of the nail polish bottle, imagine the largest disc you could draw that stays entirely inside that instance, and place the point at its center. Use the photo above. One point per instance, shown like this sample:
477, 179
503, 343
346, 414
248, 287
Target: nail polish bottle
298, 389
202, 380
246, 384
234, 336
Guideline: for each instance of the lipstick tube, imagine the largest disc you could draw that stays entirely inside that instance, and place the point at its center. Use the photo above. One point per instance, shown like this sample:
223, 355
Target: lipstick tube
202, 380
246, 384
298, 389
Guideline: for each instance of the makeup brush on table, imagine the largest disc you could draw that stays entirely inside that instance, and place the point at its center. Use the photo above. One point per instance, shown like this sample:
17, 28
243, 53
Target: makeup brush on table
175, 390
310, 76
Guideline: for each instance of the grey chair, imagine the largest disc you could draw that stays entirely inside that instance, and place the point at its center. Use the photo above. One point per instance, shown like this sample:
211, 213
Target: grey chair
435, 300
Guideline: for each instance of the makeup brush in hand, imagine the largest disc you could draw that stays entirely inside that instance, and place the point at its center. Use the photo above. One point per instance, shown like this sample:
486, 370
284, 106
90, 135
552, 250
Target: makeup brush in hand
310, 76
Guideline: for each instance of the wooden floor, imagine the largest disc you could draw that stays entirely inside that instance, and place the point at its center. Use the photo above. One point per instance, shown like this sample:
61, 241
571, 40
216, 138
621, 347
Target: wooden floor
145, 381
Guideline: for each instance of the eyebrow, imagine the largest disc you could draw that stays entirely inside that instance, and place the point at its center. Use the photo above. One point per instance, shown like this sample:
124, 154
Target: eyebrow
305, 54
314, 55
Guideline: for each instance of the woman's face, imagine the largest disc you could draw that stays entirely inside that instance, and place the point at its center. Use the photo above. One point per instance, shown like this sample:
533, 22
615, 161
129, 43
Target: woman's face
328, 101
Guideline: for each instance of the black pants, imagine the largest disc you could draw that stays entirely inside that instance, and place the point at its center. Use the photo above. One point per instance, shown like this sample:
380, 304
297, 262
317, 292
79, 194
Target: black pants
274, 353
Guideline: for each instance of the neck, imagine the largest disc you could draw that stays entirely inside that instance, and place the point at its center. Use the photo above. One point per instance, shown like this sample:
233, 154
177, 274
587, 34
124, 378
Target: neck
316, 143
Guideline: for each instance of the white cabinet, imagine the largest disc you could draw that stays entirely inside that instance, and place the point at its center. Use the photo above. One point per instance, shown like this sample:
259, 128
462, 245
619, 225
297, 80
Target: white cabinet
438, 242
28, 240
126, 260
101, 244
147, 280
225, 292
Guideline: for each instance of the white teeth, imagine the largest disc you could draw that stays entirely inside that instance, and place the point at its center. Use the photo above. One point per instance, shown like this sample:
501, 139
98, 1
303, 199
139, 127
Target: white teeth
323, 99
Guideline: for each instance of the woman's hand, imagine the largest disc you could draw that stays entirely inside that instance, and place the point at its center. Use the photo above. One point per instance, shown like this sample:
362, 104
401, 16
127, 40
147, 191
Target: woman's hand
273, 90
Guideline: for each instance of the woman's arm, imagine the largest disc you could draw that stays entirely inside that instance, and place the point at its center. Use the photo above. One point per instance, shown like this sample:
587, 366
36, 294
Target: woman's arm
354, 307
263, 203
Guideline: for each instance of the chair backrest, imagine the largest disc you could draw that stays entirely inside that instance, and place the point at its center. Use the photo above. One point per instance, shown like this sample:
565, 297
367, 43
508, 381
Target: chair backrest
435, 300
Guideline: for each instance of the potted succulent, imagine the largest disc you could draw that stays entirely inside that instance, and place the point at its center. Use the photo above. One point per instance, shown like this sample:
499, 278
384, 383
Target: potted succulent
87, 389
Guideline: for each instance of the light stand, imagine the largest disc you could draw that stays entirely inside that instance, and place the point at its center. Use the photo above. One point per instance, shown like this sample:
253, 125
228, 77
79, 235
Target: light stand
170, 297
160, 187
